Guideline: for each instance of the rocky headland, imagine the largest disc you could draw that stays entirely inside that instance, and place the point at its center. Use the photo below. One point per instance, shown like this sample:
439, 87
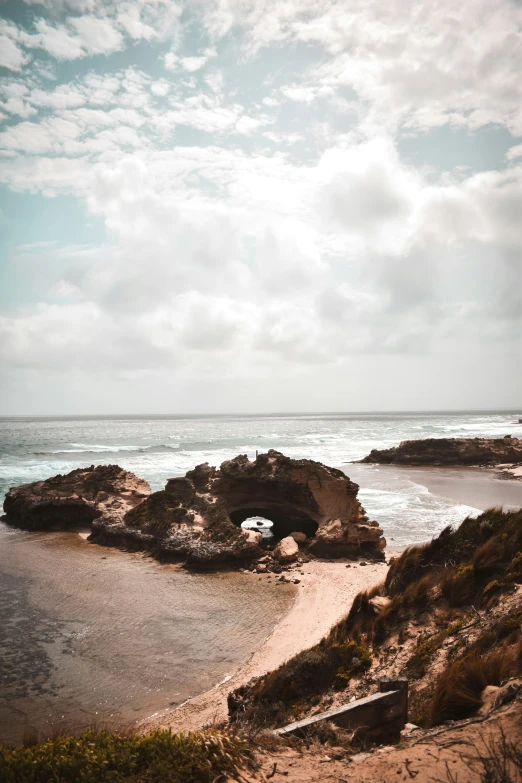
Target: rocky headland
197, 517
75, 499
450, 452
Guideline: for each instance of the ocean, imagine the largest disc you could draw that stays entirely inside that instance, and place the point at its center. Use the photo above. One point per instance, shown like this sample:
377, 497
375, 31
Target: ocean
94, 634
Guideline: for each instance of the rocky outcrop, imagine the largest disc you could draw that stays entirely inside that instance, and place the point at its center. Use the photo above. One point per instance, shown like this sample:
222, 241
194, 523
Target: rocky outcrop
450, 451
76, 498
198, 516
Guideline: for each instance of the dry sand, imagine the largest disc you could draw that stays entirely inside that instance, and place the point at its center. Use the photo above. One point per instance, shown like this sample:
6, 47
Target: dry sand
423, 757
477, 487
324, 596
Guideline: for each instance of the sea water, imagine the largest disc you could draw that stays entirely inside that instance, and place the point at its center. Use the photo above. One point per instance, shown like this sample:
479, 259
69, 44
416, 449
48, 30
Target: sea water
89, 633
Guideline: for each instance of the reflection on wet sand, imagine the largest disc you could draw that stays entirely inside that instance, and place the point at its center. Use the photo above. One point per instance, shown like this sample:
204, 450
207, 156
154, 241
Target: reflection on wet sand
92, 634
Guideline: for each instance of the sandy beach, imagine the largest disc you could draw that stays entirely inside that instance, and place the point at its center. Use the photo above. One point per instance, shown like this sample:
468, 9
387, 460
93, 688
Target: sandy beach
479, 488
324, 596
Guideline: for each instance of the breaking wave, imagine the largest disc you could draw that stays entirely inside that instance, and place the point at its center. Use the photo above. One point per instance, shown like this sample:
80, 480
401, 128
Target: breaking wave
84, 448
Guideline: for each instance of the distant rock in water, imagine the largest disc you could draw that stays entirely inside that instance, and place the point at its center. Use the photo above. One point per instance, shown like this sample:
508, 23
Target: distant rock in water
76, 498
450, 451
198, 516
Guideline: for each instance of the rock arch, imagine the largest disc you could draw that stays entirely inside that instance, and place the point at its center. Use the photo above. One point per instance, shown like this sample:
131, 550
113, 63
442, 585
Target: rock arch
194, 515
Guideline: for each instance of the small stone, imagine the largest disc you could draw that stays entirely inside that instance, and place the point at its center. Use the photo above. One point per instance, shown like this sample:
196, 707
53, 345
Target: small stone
299, 537
363, 563
286, 550
348, 565
360, 757
297, 581
408, 729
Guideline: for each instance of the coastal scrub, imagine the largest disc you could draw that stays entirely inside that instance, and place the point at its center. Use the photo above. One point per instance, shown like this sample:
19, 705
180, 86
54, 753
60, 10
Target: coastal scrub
423, 612
99, 756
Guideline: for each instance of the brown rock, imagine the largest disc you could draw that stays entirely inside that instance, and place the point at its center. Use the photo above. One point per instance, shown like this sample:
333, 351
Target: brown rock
488, 697
76, 498
287, 550
181, 490
300, 538
450, 451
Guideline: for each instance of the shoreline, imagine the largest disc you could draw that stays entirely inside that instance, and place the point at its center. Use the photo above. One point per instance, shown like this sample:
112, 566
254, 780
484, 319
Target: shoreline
324, 596
480, 488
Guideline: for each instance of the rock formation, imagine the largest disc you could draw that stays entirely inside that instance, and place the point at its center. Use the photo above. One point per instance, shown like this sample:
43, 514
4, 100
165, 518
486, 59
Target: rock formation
76, 498
450, 451
198, 516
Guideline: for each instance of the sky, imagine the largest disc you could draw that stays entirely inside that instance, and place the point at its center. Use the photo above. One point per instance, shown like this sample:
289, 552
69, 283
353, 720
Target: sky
260, 205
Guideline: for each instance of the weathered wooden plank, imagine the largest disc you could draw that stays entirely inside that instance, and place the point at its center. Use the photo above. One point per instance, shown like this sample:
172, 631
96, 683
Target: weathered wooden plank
371, 711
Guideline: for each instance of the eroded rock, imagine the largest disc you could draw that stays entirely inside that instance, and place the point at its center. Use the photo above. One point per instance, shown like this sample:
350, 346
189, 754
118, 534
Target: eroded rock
287, 550
76, 498
450, 451
299, 537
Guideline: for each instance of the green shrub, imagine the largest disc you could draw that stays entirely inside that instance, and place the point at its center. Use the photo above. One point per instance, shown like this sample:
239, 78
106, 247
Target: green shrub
515, 568
492, 587
99, 756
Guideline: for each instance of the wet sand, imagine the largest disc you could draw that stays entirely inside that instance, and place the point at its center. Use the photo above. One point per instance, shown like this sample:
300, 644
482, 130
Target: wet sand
479, 488
93, 634
325, 596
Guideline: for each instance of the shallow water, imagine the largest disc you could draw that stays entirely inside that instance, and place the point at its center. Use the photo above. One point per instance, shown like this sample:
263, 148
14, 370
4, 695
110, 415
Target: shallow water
94, 634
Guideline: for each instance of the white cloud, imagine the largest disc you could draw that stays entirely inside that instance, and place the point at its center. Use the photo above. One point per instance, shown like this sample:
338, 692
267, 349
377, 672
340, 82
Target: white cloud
514, 152
57, 6
174, 62
161, 88
239, 258
15, 99
11, 56
58, 41
420, 63
63, 97
98, 36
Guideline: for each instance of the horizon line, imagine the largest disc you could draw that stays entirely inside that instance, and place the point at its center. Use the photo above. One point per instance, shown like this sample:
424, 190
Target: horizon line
256, 414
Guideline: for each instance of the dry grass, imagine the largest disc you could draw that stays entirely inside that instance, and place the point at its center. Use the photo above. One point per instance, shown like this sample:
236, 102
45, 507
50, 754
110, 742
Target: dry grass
458, 689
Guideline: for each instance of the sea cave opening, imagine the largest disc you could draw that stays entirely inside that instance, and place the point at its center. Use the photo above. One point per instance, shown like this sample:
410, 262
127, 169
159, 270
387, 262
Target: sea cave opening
285, 521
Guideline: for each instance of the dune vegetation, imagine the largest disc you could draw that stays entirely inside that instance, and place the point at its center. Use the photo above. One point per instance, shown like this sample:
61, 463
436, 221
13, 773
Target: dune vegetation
99, 755
448, 617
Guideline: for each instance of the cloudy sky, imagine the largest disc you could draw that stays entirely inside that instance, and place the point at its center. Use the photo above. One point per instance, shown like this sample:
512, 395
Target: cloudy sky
260, 205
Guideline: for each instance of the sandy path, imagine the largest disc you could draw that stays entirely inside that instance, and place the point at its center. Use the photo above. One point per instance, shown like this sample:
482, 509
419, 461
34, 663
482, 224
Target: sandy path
324, 596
